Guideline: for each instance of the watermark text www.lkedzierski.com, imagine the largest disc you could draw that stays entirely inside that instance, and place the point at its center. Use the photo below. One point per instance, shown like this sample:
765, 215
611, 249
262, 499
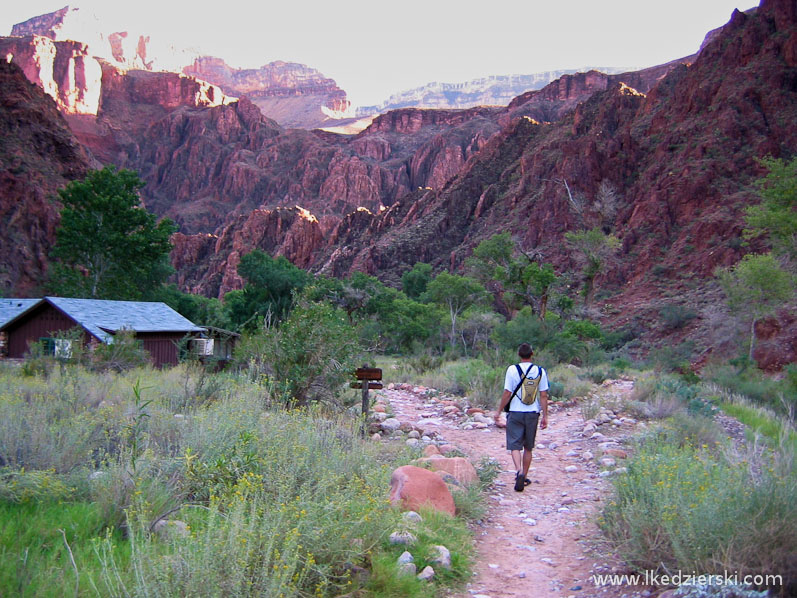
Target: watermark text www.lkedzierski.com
679, 578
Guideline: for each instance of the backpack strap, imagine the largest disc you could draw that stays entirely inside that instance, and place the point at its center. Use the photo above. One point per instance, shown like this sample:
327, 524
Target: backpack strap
522, 375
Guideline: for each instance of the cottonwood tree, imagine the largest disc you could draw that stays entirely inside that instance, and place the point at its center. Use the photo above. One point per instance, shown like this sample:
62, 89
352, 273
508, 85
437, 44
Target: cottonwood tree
270, 286
108, 246
776, 216
594, 247
756, 287
515, 278
455, 293
415, 281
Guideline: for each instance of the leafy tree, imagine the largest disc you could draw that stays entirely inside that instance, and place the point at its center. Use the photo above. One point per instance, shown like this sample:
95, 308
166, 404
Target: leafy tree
514, 280
312, 353
268, 293
755, 288
776, 215
107, 245
594, 247
415, 281
387, 319
455, 293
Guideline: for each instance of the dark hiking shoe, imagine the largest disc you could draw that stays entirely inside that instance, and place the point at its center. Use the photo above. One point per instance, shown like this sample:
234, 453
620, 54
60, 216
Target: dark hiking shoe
526, 482
520, 482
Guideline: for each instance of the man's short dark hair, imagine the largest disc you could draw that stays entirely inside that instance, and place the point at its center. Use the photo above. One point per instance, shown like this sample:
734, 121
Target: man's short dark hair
525, 351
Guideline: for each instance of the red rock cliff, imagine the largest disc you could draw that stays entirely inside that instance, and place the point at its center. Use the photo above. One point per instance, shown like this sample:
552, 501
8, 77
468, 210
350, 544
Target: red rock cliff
39, 156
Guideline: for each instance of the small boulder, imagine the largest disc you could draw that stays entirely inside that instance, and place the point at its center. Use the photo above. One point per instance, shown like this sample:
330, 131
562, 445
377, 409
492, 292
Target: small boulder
166, 528
413, 487
441, 556
427, 574
406, 557
430, 450
571, 469
481, 418
405, 538
459, 467
379, 408
412, 518
607, 462
390, 425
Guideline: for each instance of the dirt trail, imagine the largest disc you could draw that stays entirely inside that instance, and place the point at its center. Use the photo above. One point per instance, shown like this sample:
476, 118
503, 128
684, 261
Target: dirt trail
537, 542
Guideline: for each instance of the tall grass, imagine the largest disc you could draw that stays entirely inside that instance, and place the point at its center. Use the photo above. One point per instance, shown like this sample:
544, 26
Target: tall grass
290, 503
689, 507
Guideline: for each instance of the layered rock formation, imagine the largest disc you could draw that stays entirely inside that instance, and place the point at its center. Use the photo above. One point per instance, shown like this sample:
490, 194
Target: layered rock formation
64, 70
293, 94
125, 49
498, 90
676, 146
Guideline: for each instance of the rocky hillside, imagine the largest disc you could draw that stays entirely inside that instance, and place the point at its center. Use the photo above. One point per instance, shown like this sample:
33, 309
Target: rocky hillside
674, 146
679, 161
38, 155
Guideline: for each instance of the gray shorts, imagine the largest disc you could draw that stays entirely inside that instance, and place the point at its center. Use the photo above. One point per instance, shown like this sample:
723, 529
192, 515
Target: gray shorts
521, 430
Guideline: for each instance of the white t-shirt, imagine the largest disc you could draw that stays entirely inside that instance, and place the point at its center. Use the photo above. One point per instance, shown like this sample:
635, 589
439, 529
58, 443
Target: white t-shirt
512, 380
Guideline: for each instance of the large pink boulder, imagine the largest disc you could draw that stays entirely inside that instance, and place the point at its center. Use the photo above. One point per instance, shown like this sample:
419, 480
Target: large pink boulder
459, 467
412, 488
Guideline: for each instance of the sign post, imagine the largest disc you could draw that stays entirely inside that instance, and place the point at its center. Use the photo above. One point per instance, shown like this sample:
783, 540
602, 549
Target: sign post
367, 378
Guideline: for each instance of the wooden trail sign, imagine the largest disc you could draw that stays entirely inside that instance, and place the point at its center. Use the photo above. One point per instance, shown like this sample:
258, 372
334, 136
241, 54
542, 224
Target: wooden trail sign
368, 378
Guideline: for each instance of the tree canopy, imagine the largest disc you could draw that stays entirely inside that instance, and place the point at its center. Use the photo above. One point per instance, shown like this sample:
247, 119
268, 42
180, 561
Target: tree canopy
594, 247
515, 280
108, 246
756, 287
776, 216
269, 290
455, 293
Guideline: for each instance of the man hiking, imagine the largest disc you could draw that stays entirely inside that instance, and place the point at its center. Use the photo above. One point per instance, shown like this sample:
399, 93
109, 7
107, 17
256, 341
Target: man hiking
525, 397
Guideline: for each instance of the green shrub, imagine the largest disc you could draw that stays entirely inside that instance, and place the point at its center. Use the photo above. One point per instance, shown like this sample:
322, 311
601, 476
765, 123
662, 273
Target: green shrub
19, 486
779, 395
675, 316
309, 357
126, 352
258, 486
681, 507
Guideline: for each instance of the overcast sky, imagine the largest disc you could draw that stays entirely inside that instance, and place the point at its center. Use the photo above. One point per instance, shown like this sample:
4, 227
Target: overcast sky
374, 48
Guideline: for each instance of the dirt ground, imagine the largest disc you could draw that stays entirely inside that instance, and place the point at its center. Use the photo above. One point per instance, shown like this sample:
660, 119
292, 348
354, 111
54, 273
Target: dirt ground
543, 541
